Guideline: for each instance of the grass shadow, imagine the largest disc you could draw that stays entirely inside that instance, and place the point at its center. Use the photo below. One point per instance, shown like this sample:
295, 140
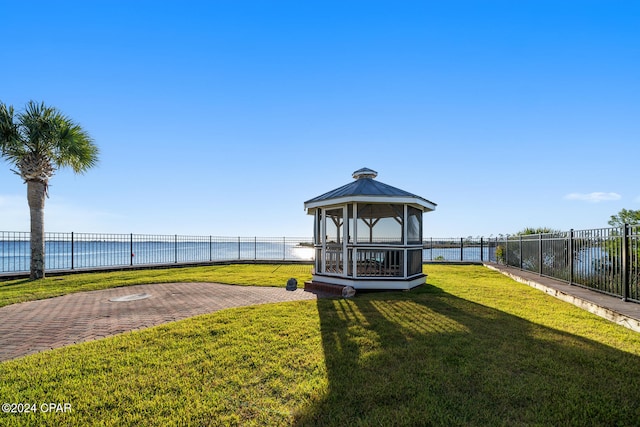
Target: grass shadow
14, 282
430, 358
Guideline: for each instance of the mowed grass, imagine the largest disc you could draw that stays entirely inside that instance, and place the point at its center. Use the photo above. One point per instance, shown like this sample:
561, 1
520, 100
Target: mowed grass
21, 290
471, 348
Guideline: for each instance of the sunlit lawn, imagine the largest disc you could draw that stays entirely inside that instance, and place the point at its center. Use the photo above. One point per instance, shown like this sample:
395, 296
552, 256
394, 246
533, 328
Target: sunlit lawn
471, 348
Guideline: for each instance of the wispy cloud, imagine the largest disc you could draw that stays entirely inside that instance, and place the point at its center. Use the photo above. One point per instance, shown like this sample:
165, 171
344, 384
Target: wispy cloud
59, 216
595, 197
14, 213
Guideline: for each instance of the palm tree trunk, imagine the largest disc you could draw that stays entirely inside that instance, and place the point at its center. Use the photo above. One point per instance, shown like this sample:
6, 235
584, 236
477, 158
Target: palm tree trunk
35, 195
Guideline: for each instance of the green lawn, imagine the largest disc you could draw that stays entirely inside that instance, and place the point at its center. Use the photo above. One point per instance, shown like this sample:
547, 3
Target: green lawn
13, 291
471, 348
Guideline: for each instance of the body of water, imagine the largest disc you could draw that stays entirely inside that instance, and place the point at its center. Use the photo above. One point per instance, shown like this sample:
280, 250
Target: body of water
65, 255
124, 251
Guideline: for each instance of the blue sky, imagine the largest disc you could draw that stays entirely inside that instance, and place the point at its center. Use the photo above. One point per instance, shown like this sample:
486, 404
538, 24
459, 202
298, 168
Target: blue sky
223, 117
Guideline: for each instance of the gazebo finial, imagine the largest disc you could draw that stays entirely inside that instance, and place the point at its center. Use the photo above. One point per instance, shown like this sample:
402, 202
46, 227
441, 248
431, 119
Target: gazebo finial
365, 173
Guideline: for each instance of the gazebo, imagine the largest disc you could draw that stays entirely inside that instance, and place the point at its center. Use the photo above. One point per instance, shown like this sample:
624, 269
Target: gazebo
367, 235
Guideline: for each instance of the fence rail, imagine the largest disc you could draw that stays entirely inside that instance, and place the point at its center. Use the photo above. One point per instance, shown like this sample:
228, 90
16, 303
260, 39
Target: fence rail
606, 260
459, 249
73, 251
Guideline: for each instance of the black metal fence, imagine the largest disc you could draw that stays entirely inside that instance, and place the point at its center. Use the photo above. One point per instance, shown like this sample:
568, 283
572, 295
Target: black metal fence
606, 260
72, 251
459, 249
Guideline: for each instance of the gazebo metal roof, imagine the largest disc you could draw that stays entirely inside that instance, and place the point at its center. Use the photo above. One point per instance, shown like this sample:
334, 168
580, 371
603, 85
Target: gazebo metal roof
366, 189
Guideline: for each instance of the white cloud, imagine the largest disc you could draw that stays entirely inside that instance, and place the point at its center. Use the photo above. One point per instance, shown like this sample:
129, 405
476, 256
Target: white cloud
62, 216
595, 197
14, 213
58, 216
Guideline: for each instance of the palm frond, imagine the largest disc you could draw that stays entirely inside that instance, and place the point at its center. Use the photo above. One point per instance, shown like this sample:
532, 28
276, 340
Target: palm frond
10, 146
76, 148
42, 135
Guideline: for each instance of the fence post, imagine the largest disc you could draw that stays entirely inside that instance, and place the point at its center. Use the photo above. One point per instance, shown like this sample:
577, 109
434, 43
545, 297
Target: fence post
571, 257
461, 252
131, 248
481, 249
175, 247
506, 250
284, 248
210, 248
431, 249
72, 250
625, 262
520, 248
540, 254
255, 248
238, 248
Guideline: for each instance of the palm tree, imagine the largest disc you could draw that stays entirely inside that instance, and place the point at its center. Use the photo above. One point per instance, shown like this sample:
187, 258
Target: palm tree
38, 141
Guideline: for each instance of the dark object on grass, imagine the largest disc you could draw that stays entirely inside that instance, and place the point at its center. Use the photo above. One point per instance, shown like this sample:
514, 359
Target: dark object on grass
292, 284
348, 292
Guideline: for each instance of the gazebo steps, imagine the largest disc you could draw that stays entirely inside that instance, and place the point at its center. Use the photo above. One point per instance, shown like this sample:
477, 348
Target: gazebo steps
325, 288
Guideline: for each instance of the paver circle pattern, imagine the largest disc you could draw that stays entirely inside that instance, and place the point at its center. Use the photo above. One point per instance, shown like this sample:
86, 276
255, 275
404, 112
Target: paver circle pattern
35, 326
128, 298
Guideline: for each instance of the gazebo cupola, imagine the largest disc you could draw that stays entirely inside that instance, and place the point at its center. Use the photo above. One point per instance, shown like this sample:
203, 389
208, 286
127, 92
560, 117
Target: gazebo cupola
368, 235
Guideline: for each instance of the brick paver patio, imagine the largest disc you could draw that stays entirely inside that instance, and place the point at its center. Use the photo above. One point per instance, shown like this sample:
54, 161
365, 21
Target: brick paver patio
35, 326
